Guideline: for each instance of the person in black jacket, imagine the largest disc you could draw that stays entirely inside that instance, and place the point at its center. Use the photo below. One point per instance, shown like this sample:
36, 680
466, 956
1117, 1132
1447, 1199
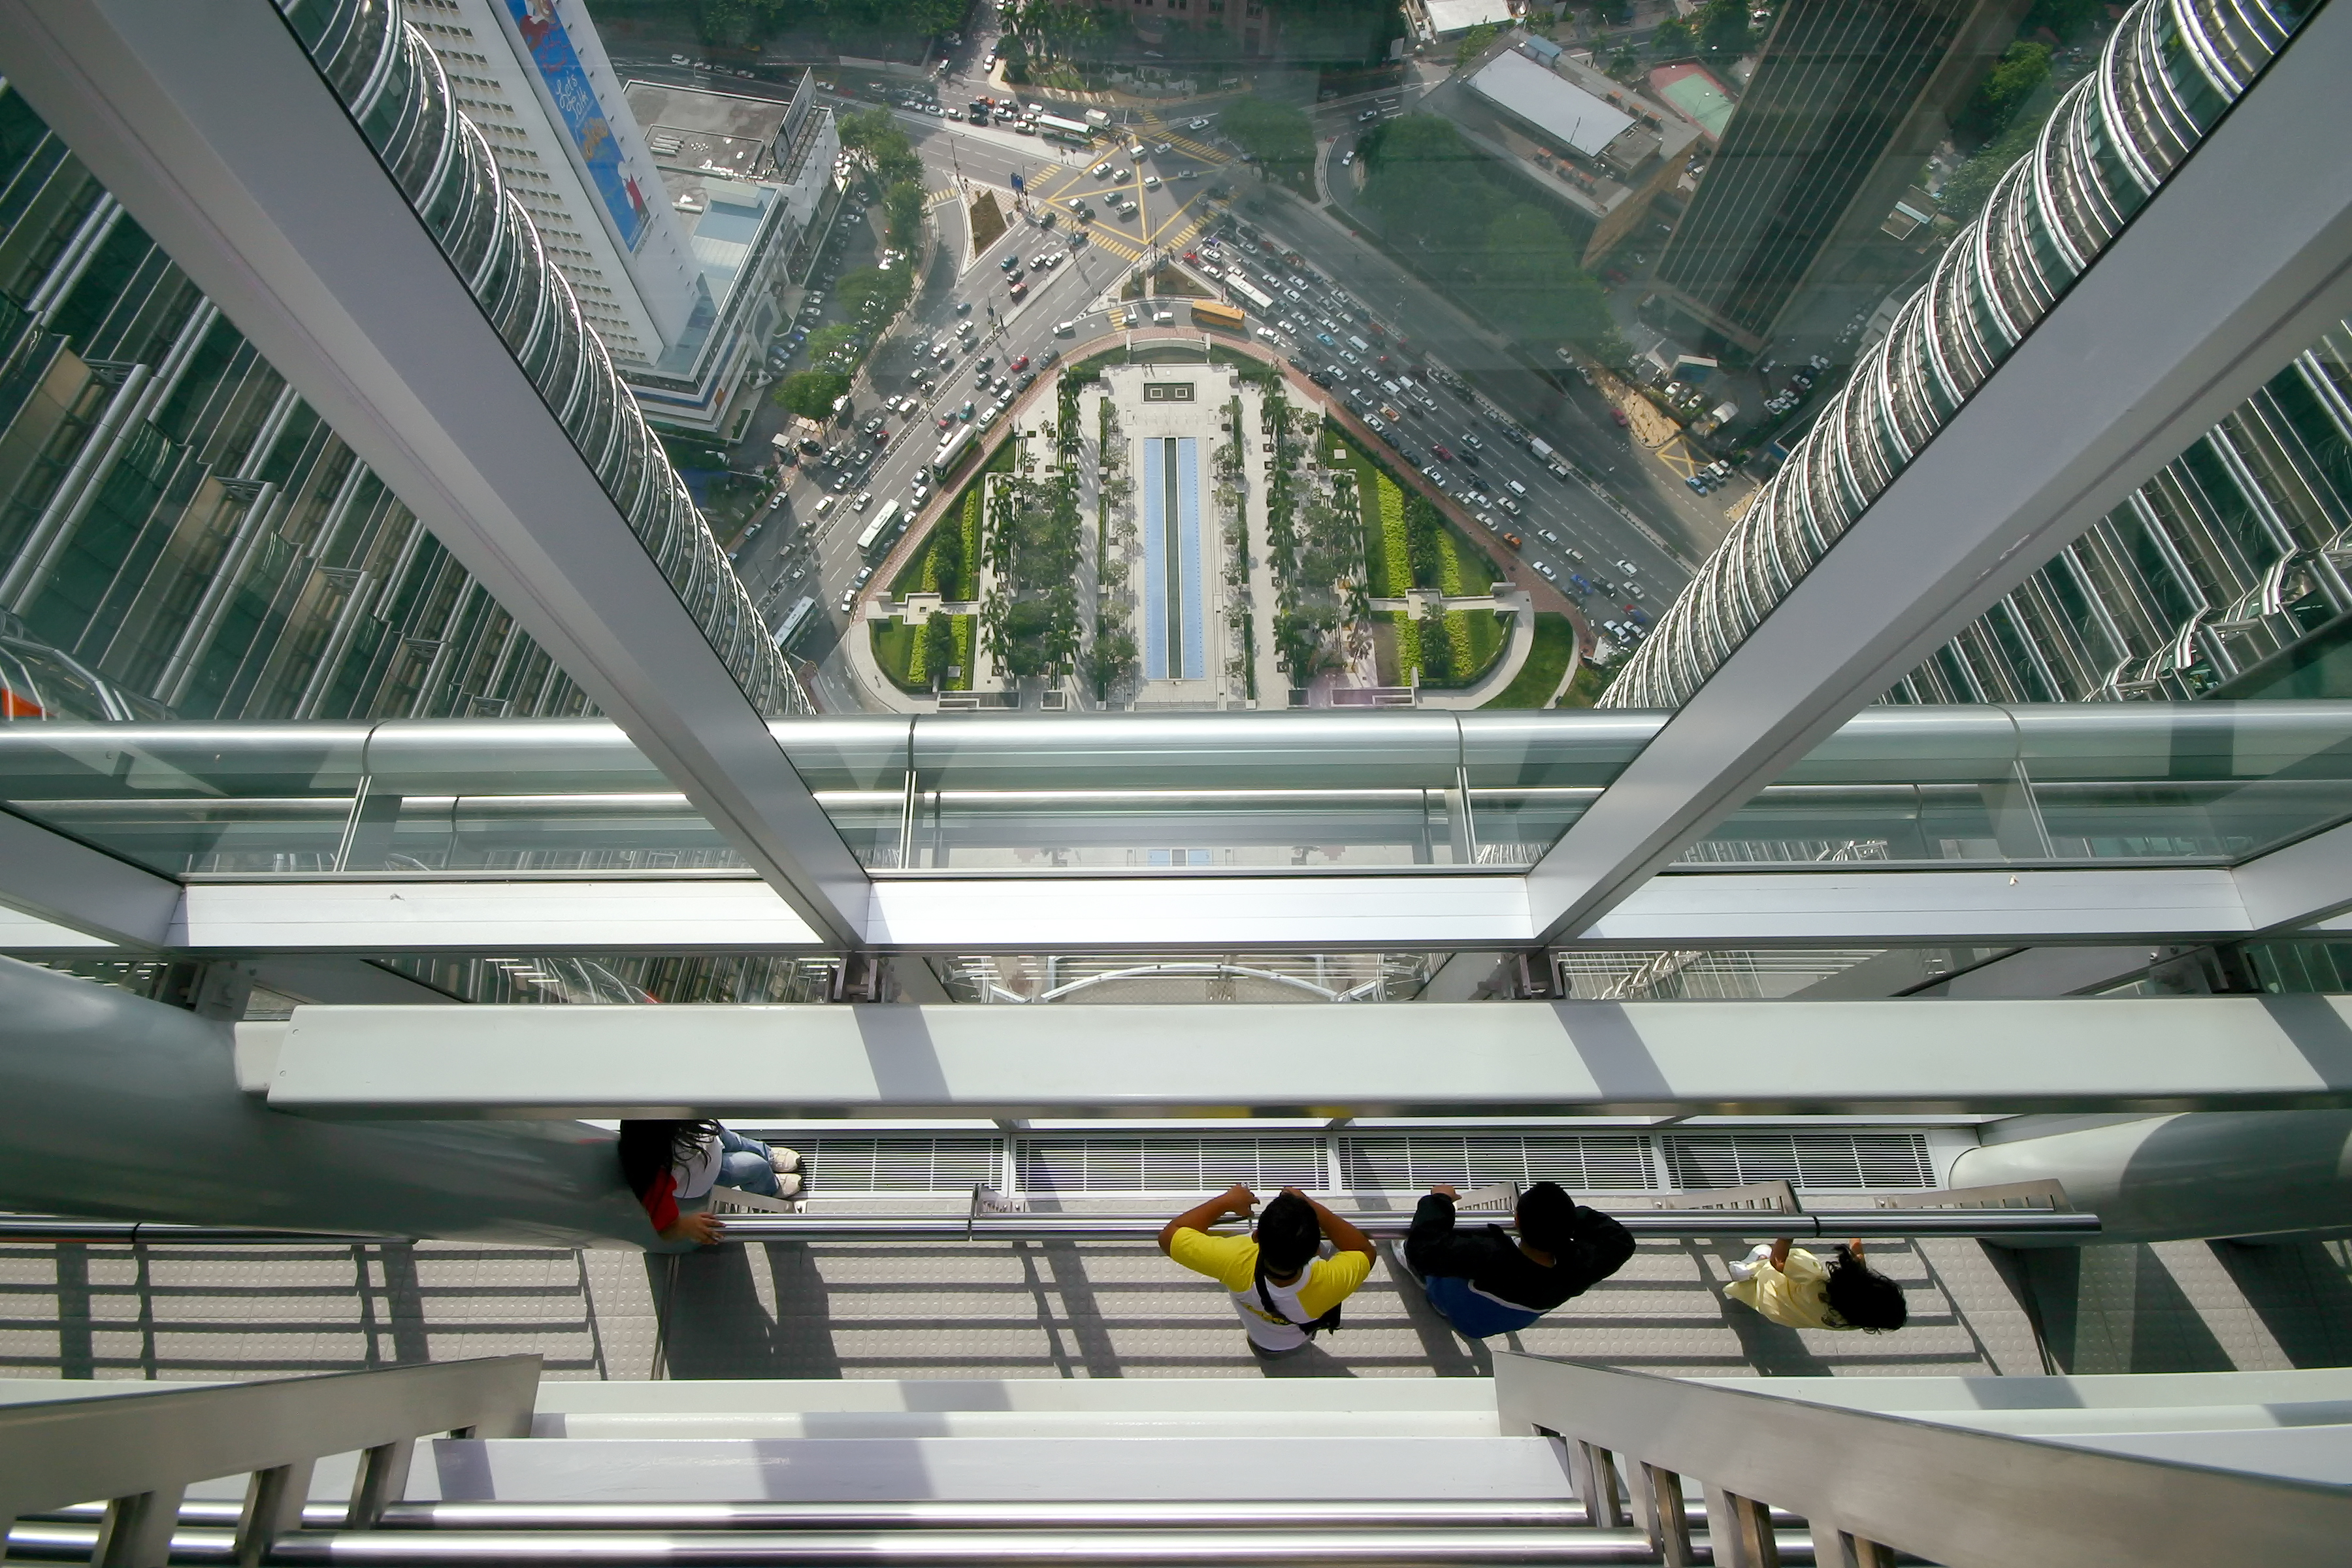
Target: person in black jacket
1485, 1283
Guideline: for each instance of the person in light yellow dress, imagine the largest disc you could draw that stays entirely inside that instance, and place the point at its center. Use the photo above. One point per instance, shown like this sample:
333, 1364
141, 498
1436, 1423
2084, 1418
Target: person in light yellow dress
1794, 1288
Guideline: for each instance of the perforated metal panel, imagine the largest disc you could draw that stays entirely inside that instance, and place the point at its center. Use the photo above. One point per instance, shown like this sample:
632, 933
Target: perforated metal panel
1404, 1162
1167, 1165
1830, 1162
847, 1167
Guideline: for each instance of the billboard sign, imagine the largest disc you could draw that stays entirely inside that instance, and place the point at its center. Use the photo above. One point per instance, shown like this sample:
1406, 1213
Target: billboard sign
575, 102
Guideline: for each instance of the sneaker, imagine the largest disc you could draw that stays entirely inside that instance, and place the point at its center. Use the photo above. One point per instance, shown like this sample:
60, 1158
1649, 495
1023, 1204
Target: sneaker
788, 1186
785, 1161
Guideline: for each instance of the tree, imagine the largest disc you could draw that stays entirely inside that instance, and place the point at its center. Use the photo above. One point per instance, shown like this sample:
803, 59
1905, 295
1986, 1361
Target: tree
1673, 38
877, 133
939, 646
1474, 43
1971, 185
2068, 19
1110, 659
871, 288
1528, 281
1279, 136
826, 342
2022, 69
811, 393
1612, 13
1436, 649
1722, 31
902, 208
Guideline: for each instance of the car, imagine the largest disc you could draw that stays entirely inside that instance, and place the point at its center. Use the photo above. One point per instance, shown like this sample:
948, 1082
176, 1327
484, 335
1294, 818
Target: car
1019, 364
1019, 289
848, 597
865, 499
963, 307
1475, 444
1052, 356
1027, 379
1327, 340
1444, 453
1100, 171
1470, 459
922, 490
1163, 147
1015, 275
1619, 415
1697, 482
1628, 568
1513, 540
1151, 182
1635, 589
1368, 116
1008, 264
1547, 536
1351, 359
1516, 488
1197, 125
1545, 567
965, 413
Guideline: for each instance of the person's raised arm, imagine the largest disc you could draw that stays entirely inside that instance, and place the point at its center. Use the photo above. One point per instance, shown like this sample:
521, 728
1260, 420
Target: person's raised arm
1781, 1245
1343, 1236
1235, 1201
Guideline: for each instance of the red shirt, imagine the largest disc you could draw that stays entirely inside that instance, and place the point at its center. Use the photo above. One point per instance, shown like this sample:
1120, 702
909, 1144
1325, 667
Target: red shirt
661, 1200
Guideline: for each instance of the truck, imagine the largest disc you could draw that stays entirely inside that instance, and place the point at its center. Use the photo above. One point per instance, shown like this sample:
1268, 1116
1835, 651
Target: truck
1212, 314
1546, 457
1098, 117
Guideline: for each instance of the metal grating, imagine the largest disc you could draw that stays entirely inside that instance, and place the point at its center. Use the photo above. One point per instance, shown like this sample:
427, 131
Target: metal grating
1076, 1165
847, 1167
1404, 1162
1824, 1162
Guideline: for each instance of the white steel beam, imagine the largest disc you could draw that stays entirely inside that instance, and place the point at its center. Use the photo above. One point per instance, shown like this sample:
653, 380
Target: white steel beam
1480, 915
2239, 263
1496, 1058
2299, 885
63, 883
211, 126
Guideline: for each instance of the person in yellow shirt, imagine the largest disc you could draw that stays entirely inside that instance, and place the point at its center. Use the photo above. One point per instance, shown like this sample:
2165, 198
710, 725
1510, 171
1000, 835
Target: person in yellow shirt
1794, 1288
1282, 1286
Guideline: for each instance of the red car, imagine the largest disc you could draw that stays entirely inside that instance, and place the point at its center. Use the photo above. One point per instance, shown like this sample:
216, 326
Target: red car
945, 420
1192, 257
1017, 366
1619, 415
1445, 453
1019, 289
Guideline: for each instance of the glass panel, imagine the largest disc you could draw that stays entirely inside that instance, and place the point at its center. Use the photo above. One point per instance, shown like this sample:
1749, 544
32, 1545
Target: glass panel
2169, 782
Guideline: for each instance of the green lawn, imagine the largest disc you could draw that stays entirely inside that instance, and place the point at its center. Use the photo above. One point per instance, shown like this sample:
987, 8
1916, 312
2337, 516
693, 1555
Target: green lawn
894, 650
1547, 662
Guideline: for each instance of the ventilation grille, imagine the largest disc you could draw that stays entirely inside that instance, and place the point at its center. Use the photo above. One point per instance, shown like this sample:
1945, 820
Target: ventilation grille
1823, 1162
1074, 1165
1403, 1163
846, 1167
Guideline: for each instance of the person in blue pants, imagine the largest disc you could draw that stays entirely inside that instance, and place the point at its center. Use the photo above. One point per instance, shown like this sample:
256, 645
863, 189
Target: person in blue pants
1486, 1282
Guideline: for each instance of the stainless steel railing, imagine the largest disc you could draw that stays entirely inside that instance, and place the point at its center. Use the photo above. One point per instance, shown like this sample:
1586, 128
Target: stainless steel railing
1873, 1485
140, 1451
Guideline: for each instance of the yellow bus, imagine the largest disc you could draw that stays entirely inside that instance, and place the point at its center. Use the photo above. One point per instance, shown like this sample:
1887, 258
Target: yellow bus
1209, 314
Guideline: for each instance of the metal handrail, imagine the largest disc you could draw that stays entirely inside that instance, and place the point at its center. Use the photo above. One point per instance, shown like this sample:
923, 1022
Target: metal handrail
1988, 1224
1872, 1483
141, 1450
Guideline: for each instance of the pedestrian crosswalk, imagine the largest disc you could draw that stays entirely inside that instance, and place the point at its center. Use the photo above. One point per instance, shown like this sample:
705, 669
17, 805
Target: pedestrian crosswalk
1125, 250
939, 198
1200, 150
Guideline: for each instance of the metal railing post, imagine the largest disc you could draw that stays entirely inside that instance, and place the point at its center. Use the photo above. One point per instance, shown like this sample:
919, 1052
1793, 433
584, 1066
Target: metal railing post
1740, 1530
1658, 1494
1847, 1550
273, 1505
382, 1479
137, 1533
1595, 1472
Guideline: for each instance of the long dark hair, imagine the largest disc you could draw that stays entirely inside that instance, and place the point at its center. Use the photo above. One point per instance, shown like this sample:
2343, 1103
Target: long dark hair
649, 1148
1862, 1296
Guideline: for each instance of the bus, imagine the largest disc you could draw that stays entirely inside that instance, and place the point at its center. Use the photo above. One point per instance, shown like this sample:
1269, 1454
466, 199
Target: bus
884, 524
951, 453
1211, 313
1054, 125
1249, 291
794, 624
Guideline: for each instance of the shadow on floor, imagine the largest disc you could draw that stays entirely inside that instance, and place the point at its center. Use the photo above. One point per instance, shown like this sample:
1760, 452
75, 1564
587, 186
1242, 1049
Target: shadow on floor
2301, 1290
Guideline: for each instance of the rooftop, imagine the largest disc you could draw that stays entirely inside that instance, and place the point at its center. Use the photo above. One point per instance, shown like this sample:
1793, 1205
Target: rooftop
1457, 15
708, 133
1556, 107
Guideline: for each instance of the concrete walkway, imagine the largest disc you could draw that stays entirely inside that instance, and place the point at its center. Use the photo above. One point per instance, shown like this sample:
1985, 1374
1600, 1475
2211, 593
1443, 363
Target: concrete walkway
1506, 668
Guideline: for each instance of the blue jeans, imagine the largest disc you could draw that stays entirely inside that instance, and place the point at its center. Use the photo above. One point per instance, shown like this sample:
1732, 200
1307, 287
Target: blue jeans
745, 1164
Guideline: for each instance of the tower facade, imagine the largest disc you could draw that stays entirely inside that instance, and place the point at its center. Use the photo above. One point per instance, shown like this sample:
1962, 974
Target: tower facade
1849, 98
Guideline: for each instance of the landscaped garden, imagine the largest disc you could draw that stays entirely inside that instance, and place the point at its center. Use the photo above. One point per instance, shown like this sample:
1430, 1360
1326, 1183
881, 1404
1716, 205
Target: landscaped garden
912, 655
1538, 678
948, 563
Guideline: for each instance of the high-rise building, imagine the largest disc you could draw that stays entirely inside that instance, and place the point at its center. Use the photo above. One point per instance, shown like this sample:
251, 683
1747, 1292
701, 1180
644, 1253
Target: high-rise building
2151, 98
672, 212
1849, 99
532, 77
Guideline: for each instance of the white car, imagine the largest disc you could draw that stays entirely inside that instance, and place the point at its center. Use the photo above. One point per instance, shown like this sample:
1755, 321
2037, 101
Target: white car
1151, 182
1198, 125
865, 499
1545, 567
916, 496
1628, 568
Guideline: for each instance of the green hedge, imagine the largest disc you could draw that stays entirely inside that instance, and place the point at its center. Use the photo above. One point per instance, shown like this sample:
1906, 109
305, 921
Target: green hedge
895, 651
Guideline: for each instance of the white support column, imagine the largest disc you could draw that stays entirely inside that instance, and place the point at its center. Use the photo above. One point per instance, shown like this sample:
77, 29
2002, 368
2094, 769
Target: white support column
212, 127
2234, 266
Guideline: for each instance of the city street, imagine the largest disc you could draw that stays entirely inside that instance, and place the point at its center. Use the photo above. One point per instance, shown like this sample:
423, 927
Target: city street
1570, 528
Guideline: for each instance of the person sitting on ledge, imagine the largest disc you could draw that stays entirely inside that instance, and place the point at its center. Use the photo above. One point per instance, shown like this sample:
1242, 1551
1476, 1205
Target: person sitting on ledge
1485, 1283
671, 1164
1794, 1289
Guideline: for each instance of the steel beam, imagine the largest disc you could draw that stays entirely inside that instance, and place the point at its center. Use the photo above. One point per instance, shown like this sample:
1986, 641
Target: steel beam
2239, 263
212, 127
1498, 1058
65, 882
2308, 881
